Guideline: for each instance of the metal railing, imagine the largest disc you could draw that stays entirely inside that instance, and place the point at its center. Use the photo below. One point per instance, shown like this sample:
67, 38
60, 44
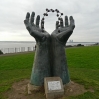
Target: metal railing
17, 50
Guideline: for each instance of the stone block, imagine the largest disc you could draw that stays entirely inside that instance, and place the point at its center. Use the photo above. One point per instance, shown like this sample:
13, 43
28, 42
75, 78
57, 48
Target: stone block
32, 88
53, 87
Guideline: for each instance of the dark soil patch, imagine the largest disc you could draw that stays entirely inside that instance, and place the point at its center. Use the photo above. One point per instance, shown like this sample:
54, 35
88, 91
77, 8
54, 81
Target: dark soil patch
19, 91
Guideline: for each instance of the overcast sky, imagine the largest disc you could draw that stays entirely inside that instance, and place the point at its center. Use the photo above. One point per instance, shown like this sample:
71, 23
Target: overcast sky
85, 13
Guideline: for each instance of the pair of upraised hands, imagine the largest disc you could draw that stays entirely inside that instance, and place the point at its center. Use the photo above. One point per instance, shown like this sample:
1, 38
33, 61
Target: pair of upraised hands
50, 59
36, 31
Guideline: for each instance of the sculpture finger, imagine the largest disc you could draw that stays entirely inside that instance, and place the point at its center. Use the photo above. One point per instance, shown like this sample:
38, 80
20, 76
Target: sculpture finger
66, 21
61, 22
26, 21
37, 21
42, 24
72, 23
32, 18
57, 24
27, 18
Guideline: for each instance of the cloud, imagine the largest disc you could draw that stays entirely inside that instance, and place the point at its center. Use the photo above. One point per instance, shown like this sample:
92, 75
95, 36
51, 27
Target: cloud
85, 13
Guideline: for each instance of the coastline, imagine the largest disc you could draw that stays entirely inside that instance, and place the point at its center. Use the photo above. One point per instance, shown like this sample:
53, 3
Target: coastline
27, 46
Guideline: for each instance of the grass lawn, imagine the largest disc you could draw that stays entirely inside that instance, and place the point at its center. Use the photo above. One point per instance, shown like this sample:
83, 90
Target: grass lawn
83, 63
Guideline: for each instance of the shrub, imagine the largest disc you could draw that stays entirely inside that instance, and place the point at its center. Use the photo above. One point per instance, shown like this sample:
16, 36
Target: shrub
79, 45
1, 52
68, 46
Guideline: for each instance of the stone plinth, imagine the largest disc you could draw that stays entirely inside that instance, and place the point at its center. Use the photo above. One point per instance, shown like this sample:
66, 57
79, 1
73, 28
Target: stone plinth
53, 87
32, 88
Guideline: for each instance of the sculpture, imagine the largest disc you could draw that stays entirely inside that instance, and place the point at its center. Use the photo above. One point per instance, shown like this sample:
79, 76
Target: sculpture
41, 66
50, 58
58, 41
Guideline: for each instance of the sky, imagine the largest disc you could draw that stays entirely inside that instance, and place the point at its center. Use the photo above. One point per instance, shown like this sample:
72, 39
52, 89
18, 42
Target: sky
84, 12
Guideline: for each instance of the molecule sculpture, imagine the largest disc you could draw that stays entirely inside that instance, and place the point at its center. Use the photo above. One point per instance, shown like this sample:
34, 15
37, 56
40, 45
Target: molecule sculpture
59, 14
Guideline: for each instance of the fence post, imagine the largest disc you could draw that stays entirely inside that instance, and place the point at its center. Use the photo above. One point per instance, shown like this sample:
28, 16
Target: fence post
8, 50
16, 50
28, 49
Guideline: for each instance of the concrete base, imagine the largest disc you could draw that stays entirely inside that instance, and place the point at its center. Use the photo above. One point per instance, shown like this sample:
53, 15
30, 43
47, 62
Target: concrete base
53, 87
32, 88
68, 84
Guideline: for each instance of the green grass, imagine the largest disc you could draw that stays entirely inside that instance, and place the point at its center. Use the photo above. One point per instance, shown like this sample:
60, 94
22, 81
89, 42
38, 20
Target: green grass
83, 63
14, 68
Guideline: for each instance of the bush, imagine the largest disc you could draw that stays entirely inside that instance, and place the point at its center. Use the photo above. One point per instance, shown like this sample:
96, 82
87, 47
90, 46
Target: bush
96, 44
68, 46
79, 45
1, 52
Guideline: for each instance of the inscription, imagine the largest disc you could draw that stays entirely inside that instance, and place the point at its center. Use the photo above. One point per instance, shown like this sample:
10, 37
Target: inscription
54, 85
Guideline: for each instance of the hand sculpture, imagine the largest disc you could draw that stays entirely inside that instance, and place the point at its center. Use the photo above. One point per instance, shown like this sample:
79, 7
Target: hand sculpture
33, 29
41, 66
59, 38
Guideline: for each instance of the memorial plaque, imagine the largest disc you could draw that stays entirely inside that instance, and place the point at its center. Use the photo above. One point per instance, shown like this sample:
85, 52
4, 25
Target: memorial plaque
54, 85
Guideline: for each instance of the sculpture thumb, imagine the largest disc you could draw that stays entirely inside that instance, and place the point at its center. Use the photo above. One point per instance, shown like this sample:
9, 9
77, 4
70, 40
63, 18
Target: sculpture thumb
25, 22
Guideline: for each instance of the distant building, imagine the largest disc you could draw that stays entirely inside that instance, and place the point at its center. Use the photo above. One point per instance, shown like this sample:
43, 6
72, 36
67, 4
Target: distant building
70, 41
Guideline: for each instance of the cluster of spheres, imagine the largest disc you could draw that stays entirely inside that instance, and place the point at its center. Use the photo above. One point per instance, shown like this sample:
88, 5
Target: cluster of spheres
59, 14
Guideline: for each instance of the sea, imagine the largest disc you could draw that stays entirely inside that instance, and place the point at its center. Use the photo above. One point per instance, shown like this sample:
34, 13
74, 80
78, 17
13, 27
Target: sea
15, 44
26, 45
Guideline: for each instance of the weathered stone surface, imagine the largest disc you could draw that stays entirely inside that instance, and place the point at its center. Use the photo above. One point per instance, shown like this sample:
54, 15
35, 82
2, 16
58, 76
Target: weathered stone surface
58, 42
50, 59
53, 87
32, 88
41, 65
